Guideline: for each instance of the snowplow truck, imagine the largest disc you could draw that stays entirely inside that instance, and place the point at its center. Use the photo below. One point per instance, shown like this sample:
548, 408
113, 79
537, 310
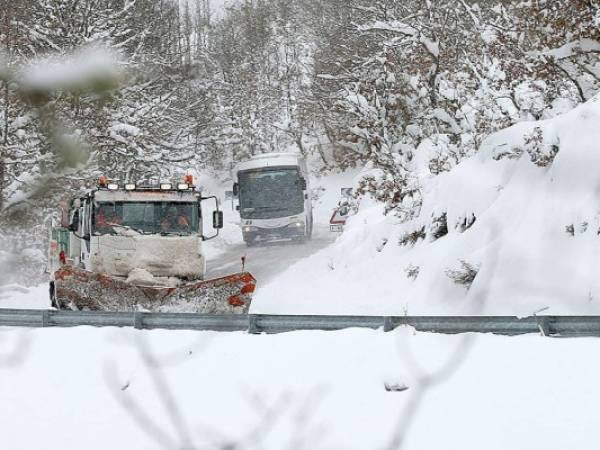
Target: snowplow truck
136, 247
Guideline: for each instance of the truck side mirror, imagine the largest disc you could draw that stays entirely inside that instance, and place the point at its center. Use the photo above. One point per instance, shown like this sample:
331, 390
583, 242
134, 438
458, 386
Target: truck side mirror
64, 218
236, 189
218, 219
74, 225
302, 183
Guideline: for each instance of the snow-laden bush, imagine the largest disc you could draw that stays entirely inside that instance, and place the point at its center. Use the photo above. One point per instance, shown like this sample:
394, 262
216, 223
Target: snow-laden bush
465, 275
25, 268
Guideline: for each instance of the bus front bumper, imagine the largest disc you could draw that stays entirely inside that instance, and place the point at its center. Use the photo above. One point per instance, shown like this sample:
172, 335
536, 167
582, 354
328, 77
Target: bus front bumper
257, 234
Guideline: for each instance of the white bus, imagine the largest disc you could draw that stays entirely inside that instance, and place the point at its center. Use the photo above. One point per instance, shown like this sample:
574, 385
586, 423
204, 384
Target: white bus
274, 200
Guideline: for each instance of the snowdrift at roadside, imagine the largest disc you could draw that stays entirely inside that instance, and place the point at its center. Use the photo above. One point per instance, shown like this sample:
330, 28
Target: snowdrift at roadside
512, 230
17, 296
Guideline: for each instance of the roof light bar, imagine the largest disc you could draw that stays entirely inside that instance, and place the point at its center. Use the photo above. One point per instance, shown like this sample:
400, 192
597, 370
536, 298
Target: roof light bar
112, 186
166, 186
130, 187
183, 186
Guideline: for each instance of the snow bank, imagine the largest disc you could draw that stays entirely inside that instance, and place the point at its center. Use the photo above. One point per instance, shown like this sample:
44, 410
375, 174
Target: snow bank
523, 215
17, 296
304, 390
23, 266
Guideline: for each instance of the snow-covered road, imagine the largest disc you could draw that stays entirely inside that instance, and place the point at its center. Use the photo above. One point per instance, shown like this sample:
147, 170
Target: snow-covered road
265, 262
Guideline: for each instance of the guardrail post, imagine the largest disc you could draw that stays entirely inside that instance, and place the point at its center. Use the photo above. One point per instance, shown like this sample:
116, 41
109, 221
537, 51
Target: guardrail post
388, 324
138, 318
252, 326
544, 325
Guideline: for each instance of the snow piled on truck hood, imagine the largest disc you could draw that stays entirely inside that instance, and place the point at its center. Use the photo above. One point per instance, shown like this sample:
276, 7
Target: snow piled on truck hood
535, 237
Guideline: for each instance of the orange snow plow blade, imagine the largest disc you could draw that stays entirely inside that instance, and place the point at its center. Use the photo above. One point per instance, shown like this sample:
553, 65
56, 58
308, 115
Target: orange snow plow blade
79, 289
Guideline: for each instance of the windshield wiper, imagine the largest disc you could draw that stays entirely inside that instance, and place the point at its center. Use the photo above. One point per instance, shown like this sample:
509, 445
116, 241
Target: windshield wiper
174, 233
105, 232
142, 231
132, 228
117, 227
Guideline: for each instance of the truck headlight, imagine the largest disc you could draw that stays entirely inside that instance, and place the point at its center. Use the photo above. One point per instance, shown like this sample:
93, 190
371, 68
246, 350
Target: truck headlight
298, 224
248, 229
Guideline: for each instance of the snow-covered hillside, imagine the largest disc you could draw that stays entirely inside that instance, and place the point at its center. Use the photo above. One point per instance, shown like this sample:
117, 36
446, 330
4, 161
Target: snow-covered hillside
523, 215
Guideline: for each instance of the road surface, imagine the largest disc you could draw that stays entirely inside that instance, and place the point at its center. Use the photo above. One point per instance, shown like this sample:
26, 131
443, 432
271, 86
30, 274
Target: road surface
266, 261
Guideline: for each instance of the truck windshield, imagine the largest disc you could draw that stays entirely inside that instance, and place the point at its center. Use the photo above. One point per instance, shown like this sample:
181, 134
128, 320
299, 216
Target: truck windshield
146, 217
269, 193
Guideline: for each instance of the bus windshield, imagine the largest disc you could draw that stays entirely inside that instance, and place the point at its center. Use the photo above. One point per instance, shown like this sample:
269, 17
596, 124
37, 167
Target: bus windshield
180, 218
269, 193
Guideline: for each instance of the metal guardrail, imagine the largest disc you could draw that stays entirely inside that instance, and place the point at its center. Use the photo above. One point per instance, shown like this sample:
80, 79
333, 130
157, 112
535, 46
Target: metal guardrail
268, 323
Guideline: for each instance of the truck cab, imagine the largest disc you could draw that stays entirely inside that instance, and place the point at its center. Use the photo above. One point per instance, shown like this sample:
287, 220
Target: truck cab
118, 228
138, 247
274, 200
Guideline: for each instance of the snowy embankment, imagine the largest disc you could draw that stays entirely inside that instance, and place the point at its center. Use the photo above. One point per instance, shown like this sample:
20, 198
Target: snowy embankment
522, 215
20, 297
164, 389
